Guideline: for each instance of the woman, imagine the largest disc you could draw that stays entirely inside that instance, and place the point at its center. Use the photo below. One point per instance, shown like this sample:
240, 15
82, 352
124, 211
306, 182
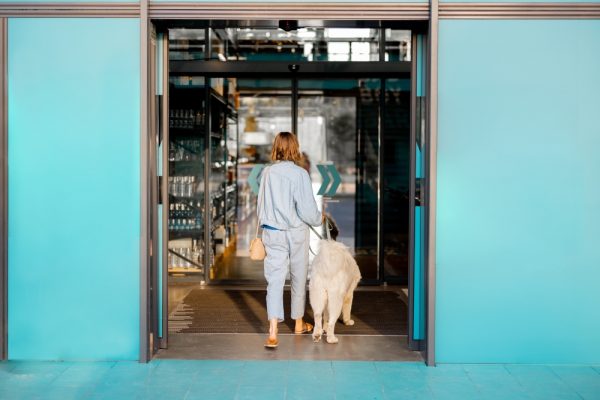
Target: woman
285, 206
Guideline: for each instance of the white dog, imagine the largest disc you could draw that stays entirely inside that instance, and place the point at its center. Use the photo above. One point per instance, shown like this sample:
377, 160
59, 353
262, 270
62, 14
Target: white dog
334, 277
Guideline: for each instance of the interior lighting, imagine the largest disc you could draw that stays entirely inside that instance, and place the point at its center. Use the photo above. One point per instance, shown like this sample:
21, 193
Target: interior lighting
360, 51
348, 33
306, 34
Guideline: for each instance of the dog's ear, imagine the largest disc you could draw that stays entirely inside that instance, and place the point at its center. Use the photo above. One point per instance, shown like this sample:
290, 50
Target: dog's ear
333, 228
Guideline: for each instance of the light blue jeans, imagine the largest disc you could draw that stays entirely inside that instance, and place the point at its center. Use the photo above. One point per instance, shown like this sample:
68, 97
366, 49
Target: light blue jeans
286, 250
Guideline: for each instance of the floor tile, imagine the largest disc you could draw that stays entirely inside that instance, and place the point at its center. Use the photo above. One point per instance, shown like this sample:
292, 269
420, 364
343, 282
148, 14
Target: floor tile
223, 380
115, 392
18, 394
260, 392
401, 378
307, 390
174, 392
540, 381
454, 390
585, 381
495, 382
65, 393
407, 394
6, 366
266, 373
84, 374
350, 391
224, 393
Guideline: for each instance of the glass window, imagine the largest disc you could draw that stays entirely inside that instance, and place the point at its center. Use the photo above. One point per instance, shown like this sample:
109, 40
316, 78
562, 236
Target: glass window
187, 44
338, 128
397, 45
304, 44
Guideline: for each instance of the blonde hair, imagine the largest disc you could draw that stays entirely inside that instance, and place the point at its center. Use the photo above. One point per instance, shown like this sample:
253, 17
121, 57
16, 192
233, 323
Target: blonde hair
286, 148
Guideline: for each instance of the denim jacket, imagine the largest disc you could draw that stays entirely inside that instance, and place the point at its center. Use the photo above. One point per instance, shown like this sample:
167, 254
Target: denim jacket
285, 197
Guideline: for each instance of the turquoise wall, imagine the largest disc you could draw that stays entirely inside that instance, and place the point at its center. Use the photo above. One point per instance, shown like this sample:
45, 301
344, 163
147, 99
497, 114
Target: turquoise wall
74, 166
68, 1
518, 260
519, 1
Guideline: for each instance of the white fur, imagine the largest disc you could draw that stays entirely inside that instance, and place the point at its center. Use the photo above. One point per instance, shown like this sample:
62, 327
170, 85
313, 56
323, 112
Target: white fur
334, 277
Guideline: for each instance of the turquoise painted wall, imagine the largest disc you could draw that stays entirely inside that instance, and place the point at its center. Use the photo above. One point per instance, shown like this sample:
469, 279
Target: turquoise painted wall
518, 260
74, 166
68, 1
519, 1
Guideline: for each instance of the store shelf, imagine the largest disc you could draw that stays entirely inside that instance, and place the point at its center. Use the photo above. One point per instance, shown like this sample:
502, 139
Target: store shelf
191, 233
221, 99
210, 158
181, 270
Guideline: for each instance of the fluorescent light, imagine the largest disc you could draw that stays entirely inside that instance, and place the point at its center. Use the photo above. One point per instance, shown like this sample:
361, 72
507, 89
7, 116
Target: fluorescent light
306, 34
348, 33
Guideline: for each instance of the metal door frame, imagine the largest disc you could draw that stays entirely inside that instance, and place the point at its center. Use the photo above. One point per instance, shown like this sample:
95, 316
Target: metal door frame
3, 189
281, 69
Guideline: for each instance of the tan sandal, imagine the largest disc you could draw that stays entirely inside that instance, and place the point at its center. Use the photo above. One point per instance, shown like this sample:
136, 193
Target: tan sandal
307, 328
271, 343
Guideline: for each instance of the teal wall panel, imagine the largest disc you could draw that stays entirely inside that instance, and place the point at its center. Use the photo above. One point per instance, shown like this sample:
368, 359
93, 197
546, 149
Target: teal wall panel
518, 217
68, 1
519, 1
74, 167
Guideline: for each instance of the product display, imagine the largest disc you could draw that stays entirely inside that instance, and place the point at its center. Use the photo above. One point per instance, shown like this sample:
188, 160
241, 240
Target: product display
202, 162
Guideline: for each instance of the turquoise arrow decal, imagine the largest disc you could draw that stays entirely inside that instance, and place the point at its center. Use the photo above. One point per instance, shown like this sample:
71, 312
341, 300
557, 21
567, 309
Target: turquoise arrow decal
323, 170
337, 179
252, 178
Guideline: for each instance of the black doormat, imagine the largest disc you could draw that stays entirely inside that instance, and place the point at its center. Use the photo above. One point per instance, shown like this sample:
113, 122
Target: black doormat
214, 310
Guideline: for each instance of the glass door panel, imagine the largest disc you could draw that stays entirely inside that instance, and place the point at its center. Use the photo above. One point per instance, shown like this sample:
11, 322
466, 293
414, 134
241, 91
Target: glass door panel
338, 131
258, 110
187, 126
396, 165
418, 200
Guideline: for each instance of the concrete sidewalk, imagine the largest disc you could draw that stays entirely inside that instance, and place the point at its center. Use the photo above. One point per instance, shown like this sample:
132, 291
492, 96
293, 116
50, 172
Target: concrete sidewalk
265, 380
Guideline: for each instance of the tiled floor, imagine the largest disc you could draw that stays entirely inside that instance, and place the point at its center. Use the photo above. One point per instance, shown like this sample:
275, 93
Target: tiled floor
181, 379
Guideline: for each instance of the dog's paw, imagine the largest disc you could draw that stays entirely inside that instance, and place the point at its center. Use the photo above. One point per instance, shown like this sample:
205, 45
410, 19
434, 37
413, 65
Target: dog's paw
316, 337
332, 339
350, 322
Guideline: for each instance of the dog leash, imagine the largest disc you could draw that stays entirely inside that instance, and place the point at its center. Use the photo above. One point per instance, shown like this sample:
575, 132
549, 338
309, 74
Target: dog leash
327, 227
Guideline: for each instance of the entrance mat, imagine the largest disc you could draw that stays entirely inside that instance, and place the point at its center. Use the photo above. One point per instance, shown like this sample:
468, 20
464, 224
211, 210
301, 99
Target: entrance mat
214, 310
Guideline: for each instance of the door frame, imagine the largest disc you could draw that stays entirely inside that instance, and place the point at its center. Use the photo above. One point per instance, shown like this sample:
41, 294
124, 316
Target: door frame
3, 189
376, 70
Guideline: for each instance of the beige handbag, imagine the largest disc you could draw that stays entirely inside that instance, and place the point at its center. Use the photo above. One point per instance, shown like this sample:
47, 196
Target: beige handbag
257, 248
